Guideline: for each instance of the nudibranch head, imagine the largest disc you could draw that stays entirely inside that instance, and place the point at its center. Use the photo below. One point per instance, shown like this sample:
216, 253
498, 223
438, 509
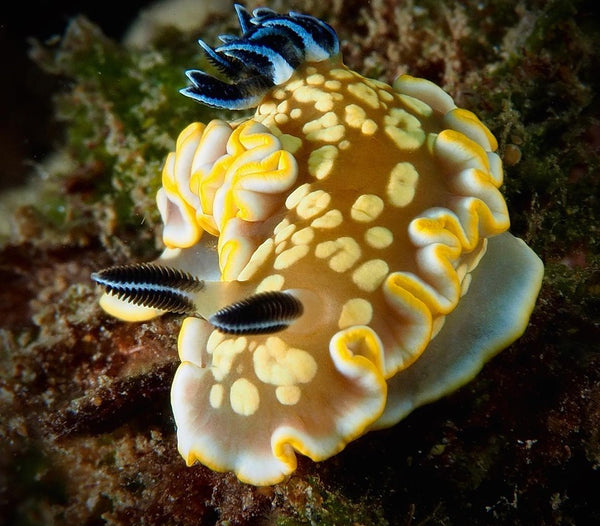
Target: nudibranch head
351, 241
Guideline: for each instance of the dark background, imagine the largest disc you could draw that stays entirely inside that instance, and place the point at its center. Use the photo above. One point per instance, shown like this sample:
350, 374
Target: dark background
27, 130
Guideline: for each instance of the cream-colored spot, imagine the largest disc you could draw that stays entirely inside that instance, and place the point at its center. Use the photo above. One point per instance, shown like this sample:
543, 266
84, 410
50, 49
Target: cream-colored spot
325, 249
284, 233
313, 204
385, 95
279, 94
402, 184
281, 247
356, 311
370, 274
330, 219
297, 195
341, 74
224, 355
369, 127
331, 134
379, 237
266, 108
244, 397
214, 340
311, 70
281, 225
315, 79
322, 160
306, 94
296, 113
324, 121
283, 107
333, 84
292, 86
304, 236
404, 129
290, 143
272, 282
343, 253
344, 145
281, 118
216, 396
325, 102
290, 256
322, 100
354, 115
257, 260
288, 394
405, 139
416, 105
278, 364
366, 94
366, 208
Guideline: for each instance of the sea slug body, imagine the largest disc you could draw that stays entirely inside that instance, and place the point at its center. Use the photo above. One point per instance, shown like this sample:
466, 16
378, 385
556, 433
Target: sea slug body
342, 255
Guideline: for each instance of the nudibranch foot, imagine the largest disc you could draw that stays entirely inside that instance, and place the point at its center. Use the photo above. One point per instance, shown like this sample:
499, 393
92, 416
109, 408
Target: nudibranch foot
493, 314
352, 243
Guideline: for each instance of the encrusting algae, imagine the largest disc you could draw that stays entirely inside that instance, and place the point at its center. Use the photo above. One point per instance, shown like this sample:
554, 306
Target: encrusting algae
88, 429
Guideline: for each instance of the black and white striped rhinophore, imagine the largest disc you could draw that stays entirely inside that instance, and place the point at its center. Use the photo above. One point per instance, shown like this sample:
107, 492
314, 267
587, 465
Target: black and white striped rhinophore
261, 313
151, 285
270, 48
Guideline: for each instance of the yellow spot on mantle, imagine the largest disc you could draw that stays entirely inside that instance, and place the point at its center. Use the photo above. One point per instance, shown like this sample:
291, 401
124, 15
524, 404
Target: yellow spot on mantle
354, 115
322, 160
402, 184
313, 204
331, 134
324, 121
284, 233
404, 129
364, 93
370, 274
330, 219
296, 196
344, 252
276, 363
356, 311
217, 392
224, 354
369, 127
416, 105
315, 79
290, 256
379, 237
272, 282
341, 74
288, 394
257, 260
366, 208
244, 397
304, 236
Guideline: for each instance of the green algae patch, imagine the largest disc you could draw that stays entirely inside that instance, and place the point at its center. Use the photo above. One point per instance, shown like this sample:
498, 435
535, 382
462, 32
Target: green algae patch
121, 110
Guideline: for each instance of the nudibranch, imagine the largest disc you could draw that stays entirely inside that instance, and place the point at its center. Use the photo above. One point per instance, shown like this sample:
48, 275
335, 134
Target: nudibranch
342, 256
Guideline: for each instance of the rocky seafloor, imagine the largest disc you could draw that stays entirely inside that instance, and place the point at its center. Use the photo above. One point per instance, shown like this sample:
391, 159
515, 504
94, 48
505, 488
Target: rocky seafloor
86, 431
